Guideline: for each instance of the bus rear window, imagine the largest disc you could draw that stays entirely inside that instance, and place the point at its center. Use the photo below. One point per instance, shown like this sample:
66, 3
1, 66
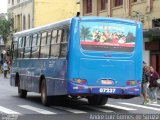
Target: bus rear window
103, 36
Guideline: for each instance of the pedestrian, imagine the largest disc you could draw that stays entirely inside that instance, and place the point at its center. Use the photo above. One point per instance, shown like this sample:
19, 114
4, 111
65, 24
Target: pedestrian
5, 68
152, 85
145, 81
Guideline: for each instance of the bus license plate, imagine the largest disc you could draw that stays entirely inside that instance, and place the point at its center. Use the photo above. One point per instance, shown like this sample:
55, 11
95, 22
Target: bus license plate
107, 82
107, 90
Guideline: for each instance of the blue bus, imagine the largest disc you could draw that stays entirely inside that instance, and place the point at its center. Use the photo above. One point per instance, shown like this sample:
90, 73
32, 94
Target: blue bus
89, 57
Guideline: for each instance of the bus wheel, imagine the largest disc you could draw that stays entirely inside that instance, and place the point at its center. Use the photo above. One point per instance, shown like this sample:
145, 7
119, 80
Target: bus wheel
97, 100
44, 98
21, 93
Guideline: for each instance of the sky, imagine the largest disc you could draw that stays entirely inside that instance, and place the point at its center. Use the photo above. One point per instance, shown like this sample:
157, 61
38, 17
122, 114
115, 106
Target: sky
3, 6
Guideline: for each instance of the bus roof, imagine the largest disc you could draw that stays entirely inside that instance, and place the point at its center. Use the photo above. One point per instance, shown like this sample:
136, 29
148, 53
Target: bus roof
108, 18
67, 22
43, 28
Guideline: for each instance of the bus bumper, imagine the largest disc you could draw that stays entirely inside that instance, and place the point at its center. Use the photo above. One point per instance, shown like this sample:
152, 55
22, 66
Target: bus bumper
104, 90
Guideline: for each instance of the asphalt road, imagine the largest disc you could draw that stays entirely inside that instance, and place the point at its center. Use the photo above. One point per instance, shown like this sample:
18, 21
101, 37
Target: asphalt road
30, 108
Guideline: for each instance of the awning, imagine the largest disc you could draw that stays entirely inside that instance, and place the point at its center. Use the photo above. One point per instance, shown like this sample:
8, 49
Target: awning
154, 32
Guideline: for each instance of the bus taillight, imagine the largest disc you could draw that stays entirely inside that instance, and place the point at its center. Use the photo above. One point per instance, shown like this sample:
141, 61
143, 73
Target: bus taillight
132, 82
84, 81
128, 82
79, 81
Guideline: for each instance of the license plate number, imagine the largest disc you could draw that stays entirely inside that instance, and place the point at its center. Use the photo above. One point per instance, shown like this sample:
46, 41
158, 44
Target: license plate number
107, 90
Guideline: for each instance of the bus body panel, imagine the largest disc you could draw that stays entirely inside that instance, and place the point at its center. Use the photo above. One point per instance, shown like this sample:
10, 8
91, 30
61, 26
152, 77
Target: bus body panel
53, 70
93, 66
107, 69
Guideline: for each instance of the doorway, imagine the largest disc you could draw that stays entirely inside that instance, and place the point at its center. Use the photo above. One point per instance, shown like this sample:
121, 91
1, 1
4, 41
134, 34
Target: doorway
155, 61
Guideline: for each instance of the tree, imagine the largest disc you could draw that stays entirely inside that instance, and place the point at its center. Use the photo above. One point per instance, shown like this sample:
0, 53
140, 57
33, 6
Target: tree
85, 33
130, 37
6, 28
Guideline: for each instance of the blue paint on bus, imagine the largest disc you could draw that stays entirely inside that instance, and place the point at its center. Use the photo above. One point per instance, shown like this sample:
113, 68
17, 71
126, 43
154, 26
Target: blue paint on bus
93, 65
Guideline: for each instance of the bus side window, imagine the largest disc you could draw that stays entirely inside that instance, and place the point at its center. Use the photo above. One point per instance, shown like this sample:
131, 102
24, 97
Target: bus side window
27, 47
35, 46
15, 47
54, 45
59, 37
49, 37
64, 43
20, 47
44, 53
54, 37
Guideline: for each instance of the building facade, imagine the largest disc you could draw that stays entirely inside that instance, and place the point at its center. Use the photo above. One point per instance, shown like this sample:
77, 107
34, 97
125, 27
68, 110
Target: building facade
32, 13
146, 11
22, 13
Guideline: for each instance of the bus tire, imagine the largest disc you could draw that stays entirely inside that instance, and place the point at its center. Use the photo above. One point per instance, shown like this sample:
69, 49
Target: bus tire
44, 98
21, 93
103, 100
97, 100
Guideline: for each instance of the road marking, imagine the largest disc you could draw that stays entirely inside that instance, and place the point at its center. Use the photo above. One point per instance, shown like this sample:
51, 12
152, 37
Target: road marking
141, 106
69, 109
118, 107
8, 111
98, 109
154, 104
39, 110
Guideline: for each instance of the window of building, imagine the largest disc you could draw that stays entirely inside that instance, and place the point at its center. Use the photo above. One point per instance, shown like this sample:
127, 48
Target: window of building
24, 22
103, 4
118, 3
8, 1
133, 1
89, 6
19, 22
156, 22
12, 2
15, 23
29, 24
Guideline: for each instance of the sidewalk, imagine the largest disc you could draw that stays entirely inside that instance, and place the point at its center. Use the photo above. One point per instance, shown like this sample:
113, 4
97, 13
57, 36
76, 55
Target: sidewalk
2, 76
